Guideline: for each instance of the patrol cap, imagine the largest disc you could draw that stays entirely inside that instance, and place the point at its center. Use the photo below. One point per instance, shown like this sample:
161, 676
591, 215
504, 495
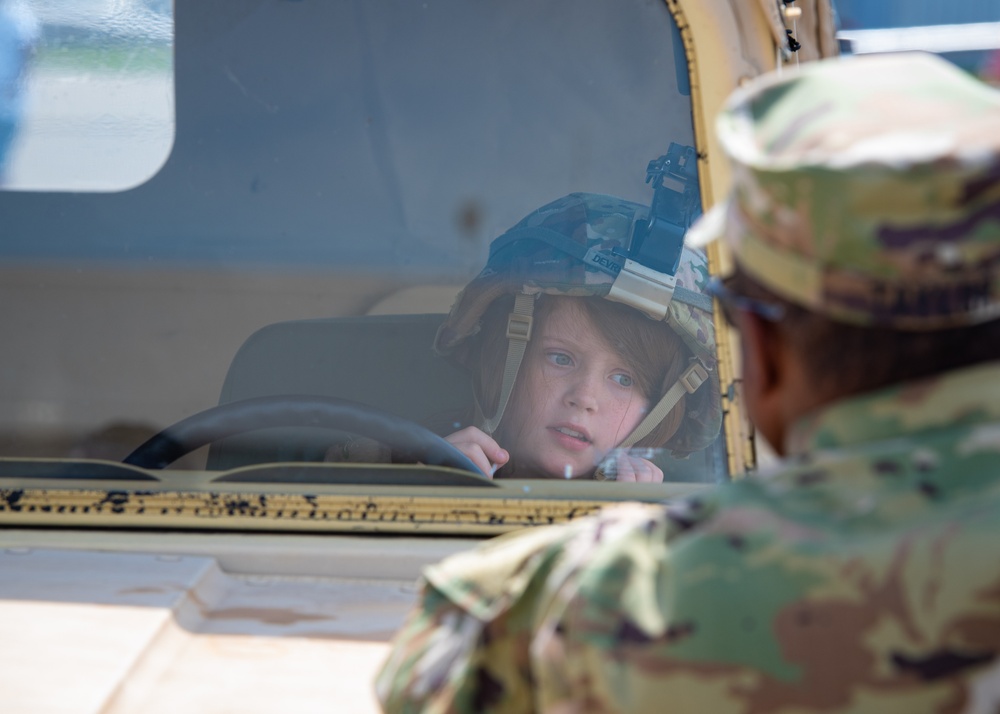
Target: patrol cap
866, 189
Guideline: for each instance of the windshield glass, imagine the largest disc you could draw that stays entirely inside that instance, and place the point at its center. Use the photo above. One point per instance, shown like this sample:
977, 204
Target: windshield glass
207, 203
967, 33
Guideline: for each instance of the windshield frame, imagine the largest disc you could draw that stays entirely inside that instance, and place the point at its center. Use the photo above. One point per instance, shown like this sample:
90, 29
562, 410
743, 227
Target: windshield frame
197, 500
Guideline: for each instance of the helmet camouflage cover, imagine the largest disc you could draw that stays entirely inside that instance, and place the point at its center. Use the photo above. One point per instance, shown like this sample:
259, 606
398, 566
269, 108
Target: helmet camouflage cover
574, 246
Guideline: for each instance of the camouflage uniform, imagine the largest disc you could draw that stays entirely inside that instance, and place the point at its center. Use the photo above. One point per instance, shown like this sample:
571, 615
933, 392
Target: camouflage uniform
862, 575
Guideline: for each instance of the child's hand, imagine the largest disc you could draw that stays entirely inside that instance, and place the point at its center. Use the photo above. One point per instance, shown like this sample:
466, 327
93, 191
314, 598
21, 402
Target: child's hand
482, 449
637, 470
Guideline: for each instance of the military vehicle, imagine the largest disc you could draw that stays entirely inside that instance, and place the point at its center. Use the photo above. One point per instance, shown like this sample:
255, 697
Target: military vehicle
229, 230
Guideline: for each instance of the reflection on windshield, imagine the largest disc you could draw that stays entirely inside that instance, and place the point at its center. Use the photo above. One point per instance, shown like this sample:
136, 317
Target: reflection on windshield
966, 33
19, 31
87, 90
338, 173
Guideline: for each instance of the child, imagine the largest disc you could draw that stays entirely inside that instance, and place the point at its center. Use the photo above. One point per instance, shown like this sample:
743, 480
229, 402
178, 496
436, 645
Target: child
567, 359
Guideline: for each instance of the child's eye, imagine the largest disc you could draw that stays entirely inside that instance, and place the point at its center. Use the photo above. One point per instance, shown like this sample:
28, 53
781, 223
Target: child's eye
560, 358
623, 380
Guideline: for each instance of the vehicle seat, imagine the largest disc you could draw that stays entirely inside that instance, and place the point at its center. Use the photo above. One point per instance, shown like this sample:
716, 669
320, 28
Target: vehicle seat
384, 361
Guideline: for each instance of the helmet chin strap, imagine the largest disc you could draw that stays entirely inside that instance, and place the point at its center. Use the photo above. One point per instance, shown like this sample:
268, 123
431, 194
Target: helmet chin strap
651, 291
519, 324
688, 383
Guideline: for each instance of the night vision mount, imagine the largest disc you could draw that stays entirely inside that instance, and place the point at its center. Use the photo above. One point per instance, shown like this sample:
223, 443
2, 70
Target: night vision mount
676, 204
647, 278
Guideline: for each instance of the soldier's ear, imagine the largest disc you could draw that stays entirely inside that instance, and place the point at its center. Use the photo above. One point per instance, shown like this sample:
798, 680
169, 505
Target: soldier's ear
765, 377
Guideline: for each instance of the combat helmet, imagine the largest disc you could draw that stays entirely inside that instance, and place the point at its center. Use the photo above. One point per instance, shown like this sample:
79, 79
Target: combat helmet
587, 244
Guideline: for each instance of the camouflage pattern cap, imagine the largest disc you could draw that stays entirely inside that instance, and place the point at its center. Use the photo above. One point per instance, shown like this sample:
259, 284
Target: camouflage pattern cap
867, 189
575, 246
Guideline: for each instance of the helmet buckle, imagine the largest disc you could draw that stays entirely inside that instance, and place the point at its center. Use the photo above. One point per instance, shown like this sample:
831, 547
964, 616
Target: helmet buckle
519, 327
693, 377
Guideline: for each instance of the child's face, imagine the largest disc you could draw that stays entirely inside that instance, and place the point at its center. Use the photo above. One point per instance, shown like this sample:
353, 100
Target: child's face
576, 397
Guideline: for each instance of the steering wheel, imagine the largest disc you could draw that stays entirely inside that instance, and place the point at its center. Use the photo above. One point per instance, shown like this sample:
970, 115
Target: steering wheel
407, 439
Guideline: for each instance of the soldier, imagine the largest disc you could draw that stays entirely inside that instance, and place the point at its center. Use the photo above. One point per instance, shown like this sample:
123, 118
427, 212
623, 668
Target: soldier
862, 574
